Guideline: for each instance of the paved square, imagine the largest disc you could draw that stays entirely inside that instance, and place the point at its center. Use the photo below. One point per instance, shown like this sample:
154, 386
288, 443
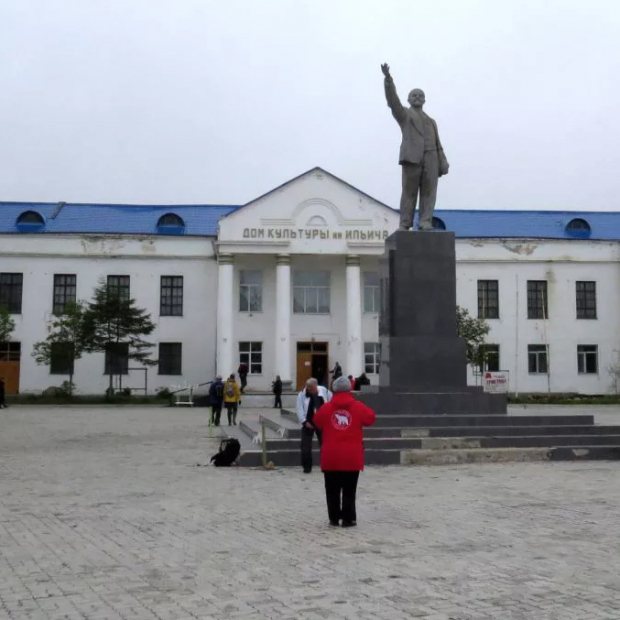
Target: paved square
104, 514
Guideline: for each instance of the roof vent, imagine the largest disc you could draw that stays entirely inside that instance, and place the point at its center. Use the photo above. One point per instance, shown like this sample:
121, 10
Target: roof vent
578, 228
30, 221
170, 224
438, 224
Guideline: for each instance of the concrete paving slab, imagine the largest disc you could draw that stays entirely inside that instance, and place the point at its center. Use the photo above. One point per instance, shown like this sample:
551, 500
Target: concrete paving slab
104, 513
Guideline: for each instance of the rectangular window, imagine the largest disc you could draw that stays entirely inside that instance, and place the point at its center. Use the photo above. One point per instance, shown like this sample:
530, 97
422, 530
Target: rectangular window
488, 299
251, 354
372, 299
117, 358
10, 351
537, 299
587, 359
586, 300
61, 362
250, 291
64, 292
489, 357
11, 292
170, 358
311, 292
372, 356
119, 286
537, 358
171, 296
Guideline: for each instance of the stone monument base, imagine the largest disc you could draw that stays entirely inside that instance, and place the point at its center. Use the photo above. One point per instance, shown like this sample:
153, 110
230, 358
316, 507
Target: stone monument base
423, 368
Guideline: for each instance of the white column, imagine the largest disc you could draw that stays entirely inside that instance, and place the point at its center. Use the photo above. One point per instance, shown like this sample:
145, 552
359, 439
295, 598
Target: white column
354, 317
224, 342
283, 317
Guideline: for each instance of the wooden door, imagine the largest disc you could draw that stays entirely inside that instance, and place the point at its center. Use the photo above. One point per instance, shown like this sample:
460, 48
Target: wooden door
304, 368
9, 371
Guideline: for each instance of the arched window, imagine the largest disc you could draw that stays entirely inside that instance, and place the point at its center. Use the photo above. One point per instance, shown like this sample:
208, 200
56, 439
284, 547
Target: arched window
29, 221
578, 228
438, 224
316, 220
170, 224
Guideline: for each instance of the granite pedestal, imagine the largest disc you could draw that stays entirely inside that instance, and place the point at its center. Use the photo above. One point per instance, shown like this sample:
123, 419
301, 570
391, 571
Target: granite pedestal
423, 366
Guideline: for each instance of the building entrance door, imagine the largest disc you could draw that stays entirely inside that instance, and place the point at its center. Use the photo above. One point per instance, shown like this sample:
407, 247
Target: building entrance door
10, 353
312, 360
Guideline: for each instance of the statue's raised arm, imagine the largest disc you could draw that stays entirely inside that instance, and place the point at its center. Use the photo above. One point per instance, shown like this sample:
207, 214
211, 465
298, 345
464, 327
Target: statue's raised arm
398, 112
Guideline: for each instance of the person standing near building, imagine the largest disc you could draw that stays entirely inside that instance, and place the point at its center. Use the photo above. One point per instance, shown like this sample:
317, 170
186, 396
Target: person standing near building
242, 371
216, 400
232, 398
308, 401
341, 423
2, 394
276, 388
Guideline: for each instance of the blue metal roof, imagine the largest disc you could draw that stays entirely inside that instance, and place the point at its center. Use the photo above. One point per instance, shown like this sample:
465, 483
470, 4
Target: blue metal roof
473, 223
202, 220
199, 220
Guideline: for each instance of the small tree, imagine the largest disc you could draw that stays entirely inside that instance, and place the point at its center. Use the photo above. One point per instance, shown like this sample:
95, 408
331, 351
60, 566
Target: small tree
112, 323
473, 331
7, 324
65, 339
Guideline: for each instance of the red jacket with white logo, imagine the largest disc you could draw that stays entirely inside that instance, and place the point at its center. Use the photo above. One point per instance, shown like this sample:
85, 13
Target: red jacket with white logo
341, 421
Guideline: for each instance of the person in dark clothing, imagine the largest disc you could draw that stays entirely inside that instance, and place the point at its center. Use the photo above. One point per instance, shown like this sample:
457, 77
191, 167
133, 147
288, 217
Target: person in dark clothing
216, 400
242, 371
361, 380
336, 371
308, 401
276, 388
2, 394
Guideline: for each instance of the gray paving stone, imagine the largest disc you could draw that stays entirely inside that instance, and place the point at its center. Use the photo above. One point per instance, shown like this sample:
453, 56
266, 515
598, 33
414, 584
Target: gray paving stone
105, 514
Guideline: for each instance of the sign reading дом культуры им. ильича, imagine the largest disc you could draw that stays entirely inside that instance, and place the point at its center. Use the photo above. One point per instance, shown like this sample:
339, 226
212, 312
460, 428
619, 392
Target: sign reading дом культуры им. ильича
495, 381
353, 234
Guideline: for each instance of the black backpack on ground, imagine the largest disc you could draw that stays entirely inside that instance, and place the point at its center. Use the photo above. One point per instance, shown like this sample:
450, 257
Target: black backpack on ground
228, 454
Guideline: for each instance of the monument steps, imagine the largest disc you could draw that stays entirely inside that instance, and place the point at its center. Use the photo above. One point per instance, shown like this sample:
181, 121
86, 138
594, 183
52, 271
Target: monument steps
431, 440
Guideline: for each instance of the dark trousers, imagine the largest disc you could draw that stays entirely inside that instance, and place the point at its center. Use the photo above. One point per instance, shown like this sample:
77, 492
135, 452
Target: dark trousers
216, 412
231, 410
278, 403
306, 446
244, 381
340, 489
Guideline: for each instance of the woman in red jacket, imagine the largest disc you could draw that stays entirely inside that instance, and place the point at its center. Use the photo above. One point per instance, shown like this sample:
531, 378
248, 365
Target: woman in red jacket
342, 452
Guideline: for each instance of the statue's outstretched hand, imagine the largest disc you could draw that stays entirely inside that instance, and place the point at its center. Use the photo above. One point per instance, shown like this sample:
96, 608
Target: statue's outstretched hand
386, 70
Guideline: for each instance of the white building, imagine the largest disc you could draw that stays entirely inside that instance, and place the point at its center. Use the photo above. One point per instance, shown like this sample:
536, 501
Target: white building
288, 283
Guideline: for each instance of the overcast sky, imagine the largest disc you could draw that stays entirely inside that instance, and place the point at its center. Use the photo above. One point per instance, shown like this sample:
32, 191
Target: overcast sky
201, 101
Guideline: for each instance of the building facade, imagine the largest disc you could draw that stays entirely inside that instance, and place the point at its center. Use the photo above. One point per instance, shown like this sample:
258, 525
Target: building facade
288, 284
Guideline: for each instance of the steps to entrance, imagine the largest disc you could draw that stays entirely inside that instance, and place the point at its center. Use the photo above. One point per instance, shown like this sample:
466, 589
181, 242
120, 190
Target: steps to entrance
446, 439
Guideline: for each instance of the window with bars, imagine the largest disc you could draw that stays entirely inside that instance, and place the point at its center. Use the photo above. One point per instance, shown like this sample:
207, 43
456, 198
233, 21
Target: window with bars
587, 359
488, 354
64, 292
61, 358
537, 307
119, 286
10, 351
372, 357
170, 358
117, 358
251, 354
538, 358
488, 299
372, 296
586, 299
311, 292
250, 291
11, 292
171, 296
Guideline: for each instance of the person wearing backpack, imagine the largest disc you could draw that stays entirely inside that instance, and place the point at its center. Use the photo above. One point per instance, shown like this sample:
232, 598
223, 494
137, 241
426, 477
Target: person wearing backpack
232, 398
216, 400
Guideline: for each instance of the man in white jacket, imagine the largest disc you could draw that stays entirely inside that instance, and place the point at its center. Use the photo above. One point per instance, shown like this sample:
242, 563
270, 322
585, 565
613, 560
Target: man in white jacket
309, 401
